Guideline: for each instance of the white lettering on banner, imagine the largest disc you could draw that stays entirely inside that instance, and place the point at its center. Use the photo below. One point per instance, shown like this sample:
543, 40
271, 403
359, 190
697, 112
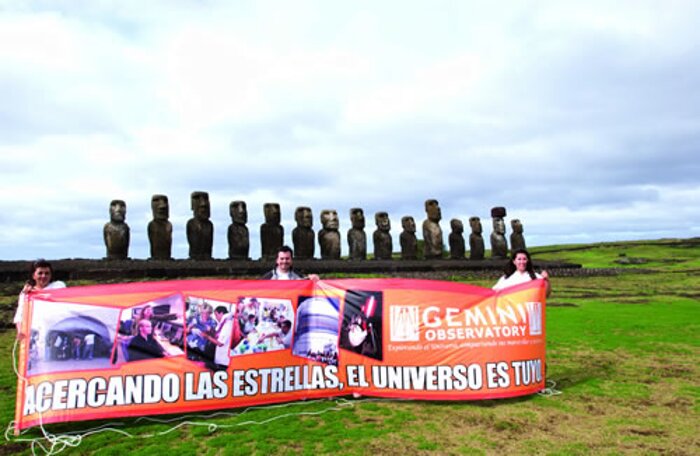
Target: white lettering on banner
507, 320
428, 378
100, 392
497, 375
211, 385
284, 380
506, 314
534, 317
475, 333
527, 372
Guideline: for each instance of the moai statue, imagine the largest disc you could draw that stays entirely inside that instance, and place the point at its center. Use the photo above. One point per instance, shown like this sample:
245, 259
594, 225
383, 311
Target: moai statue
476, 241
303, 234
499, 245
409, 243
383, 247
432, 233
456, 240
200, 230
160, 230
357, 239
271, 232
329, 237
116, 232
517, 240
238, 236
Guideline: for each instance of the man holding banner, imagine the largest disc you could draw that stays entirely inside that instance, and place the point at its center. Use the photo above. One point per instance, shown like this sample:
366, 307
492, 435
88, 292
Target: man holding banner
283, 267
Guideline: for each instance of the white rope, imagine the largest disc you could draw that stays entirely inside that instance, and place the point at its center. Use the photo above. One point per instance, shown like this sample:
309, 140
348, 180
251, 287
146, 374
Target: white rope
549, 390
50, 444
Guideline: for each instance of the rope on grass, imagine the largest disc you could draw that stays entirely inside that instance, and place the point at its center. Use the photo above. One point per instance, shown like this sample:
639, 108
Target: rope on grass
50, 444
550, 390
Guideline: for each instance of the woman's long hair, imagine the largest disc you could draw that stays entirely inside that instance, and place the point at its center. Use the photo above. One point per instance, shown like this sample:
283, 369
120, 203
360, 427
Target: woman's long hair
510, 265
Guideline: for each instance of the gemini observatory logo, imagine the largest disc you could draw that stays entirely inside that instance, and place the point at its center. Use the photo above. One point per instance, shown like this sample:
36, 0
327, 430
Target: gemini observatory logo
405, 326
534, 317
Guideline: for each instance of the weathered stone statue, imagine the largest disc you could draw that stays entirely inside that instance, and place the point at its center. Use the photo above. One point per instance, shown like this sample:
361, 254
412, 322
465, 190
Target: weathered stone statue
200, 230
409, 243
160, 230
238, 236
456, 240
517, 240
383, 247
357, 239
476, 240
329, 237
499, 245
116, 232
271, 232
303, 235
432, 233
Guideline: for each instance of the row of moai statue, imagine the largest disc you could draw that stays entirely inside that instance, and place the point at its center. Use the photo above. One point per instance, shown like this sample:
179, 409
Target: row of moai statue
200, 233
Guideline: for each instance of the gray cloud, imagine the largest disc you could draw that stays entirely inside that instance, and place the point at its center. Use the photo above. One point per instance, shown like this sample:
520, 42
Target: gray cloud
581, 120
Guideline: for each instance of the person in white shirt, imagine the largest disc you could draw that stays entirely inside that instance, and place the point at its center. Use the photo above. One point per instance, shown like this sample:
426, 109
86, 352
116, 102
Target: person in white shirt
224, 331
283, 267
41, 273
89, 346
519, 270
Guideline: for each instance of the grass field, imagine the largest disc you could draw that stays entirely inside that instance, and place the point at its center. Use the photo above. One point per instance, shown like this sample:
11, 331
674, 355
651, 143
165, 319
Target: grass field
622, 349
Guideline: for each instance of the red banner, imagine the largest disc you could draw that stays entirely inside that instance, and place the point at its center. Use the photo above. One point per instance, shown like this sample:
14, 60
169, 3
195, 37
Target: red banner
182, 346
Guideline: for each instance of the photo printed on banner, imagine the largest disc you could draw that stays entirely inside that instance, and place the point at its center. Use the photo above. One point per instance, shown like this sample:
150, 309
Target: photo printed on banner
361, 331
70, 337
316, 332
265, 325
212, 328
154, 329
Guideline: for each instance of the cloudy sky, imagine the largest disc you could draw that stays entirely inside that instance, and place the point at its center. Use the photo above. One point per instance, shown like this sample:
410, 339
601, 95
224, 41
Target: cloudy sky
581, 118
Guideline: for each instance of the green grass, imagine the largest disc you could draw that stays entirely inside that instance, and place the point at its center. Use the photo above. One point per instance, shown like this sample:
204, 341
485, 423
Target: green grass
623, 351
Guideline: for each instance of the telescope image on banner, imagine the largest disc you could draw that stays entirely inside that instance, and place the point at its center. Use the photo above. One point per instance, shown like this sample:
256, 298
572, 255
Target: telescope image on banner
168, 347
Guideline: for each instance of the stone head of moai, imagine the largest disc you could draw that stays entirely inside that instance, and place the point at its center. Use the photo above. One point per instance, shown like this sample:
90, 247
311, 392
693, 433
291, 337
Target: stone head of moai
382, 221
160, 207
475, 224
432, 209
272, 213
408, 224
239, 212
117, 211
200, 205
497, 214
357, 218
456, 226
329, 219
517, 226
303, 217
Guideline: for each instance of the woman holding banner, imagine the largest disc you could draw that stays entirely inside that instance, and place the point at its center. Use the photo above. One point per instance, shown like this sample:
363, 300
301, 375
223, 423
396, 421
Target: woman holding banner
40, 275
519, 270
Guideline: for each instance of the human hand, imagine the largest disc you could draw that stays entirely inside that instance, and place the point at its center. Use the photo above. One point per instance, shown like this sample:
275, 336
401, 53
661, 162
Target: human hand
28, 287
313, 277
545, 275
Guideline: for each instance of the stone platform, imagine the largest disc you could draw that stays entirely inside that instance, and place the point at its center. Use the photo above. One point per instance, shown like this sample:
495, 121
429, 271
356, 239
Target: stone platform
84, 269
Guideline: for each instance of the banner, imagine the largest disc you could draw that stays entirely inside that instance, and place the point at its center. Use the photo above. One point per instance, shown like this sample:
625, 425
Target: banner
136, 349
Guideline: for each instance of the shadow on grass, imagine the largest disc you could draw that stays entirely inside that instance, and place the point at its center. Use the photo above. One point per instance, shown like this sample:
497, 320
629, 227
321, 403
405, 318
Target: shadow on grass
597, 368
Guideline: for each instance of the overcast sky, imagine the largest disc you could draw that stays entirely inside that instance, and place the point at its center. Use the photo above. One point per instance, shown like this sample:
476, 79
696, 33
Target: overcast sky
581, 118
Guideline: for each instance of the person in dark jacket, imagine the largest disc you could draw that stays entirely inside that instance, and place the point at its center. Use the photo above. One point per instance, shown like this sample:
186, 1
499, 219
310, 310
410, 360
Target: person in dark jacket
143, 345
